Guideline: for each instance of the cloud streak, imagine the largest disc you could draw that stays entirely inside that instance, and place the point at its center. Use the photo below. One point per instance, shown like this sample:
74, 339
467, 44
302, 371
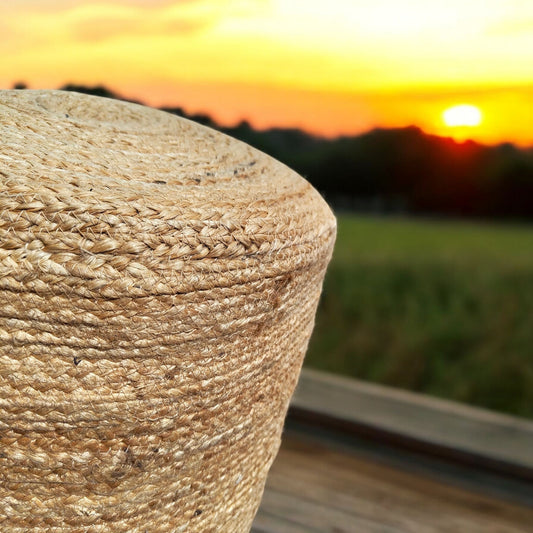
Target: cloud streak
74, 22
100, 27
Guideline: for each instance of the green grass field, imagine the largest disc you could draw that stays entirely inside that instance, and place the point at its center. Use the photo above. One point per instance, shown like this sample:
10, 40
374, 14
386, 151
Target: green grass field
444, 308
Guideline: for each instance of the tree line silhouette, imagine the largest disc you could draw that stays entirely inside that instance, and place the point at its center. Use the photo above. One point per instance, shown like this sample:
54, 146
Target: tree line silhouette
394, 170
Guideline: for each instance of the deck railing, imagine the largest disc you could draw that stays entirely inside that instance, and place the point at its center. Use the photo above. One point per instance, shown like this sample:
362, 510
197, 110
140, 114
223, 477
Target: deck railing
439, 427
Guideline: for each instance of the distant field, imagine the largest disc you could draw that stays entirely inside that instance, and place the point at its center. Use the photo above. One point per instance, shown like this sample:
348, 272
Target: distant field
444, 308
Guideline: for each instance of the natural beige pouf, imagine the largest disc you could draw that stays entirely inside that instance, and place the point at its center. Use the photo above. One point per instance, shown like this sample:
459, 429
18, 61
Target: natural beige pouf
158, 285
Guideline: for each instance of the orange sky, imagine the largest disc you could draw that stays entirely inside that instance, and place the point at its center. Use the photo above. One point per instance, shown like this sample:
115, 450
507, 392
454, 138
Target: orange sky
335, 66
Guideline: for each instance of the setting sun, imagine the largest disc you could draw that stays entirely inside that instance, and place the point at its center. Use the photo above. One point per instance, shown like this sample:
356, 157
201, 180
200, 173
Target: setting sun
462, 115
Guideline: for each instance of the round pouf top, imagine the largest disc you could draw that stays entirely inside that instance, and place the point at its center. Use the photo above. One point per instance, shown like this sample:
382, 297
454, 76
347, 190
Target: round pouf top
158, 286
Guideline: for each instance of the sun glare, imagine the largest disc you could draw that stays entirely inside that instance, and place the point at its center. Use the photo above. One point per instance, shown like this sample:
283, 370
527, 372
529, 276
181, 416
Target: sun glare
462, 115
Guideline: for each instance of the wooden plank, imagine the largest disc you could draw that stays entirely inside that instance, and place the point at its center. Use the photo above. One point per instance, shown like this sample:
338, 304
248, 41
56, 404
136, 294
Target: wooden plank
313, 516
314, 487
499, 440
267, 521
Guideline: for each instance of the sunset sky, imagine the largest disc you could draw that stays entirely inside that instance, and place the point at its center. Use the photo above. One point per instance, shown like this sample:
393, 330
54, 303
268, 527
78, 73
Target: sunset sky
330, 66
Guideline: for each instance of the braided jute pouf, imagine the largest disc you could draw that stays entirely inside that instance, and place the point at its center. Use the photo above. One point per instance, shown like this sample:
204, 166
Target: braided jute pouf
158, 286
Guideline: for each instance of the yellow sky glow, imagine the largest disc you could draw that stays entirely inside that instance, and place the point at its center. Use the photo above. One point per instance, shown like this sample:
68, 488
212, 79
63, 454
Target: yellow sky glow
341, 66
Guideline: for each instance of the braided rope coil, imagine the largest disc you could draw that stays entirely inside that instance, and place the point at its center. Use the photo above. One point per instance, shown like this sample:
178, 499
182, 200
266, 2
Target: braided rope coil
158, 286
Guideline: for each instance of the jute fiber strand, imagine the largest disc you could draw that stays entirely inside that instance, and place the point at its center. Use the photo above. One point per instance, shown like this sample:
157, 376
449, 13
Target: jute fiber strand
158, 286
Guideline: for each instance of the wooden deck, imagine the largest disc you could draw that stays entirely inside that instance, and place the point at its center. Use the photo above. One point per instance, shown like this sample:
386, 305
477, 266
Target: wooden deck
334, 475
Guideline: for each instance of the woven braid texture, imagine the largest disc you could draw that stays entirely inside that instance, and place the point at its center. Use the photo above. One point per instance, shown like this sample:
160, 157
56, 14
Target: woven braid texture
158, 287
